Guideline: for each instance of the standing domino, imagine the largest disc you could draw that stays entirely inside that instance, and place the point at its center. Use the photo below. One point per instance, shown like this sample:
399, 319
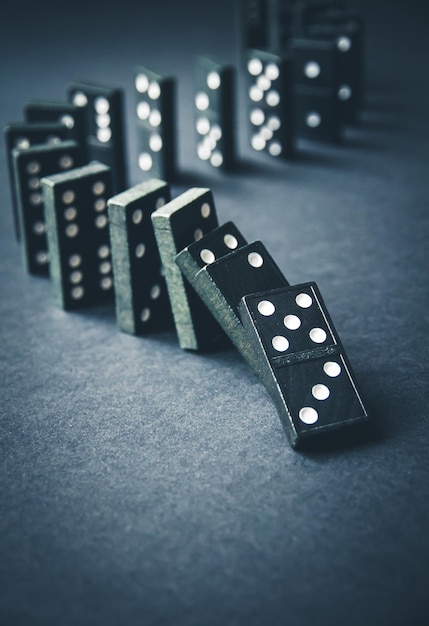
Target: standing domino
78, 235
141, 298
30, 165
104, 121
156, 126
21, 136
270, 108
215, 114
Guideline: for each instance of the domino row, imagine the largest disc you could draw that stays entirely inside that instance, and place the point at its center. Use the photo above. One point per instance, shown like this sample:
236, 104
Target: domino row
163, 258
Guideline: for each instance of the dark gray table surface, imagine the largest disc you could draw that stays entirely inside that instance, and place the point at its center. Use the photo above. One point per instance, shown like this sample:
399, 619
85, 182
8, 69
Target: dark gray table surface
141, 484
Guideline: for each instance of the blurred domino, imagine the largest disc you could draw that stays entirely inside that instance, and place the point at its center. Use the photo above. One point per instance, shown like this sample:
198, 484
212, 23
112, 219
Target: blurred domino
104, 121
30, 165
65, 113
156, 127
21, 136
315, 72
301, 361
271, 123
141, 298
78, 235
215, 113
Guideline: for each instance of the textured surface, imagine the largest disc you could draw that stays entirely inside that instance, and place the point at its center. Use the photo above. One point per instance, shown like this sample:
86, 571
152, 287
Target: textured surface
141, 484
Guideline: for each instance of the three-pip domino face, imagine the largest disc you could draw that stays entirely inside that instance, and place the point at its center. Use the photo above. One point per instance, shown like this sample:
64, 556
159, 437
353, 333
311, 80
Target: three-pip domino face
301, 360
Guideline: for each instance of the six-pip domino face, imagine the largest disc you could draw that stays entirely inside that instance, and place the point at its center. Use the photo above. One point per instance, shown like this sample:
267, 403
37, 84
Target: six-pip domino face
30, 165
78, 235
23, 135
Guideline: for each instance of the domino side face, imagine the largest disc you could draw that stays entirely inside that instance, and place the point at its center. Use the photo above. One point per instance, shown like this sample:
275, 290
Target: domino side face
141, 298
65, 113
155, 123
302, 361
104, 120
78, 236
271, 124
185, 219
222, 283
30, 166
21, 136
215, 113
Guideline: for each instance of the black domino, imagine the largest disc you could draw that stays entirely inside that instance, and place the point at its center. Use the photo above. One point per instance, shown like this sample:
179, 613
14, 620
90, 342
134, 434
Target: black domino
215, 113
270, 104
78, 236
21, 135
315, 72
222, 283
185, 219
349, 41
141, 298
156, 123
70, 115
104, 121
302, 361
30, 166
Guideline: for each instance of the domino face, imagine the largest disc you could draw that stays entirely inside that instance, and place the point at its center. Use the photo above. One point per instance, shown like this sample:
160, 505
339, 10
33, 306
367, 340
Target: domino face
21, 136
270, 104
216, 244
314, 62
180, 222
316, 86
348, 40
78, 236
302, 362
30, 165
222, 283
141, 298
215, 113
317, 114
156, 127
104, 120
69, 115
